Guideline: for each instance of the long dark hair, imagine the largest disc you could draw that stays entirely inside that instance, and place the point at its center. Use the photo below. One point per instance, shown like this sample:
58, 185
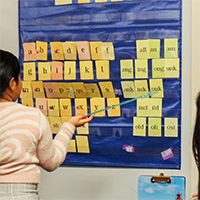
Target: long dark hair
9, 68
196, 138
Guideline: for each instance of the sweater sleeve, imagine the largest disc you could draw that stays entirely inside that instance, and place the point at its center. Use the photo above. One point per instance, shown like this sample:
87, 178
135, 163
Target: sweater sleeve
51, 152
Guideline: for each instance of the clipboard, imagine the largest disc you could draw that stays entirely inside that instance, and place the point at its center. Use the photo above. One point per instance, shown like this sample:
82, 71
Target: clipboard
161, 187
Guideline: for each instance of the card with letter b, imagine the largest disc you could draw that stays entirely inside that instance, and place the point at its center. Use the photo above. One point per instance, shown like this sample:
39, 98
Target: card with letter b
161, 188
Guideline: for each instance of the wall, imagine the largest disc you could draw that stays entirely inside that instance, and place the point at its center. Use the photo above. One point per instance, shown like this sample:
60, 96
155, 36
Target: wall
195, 79
94, 183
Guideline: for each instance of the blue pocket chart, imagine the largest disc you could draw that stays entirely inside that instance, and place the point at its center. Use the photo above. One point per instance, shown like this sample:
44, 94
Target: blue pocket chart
90, 54
165, 191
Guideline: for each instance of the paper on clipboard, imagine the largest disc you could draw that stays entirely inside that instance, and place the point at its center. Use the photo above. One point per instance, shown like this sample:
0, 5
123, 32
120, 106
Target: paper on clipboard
148, 190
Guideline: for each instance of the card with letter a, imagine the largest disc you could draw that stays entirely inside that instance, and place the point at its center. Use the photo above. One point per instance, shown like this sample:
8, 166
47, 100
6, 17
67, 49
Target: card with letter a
149, 188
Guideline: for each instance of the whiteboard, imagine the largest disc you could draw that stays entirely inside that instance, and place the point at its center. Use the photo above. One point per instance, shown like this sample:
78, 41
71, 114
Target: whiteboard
106, 183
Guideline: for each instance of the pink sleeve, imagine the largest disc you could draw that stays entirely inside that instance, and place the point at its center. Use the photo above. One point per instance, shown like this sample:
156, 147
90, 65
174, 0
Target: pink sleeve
51, 152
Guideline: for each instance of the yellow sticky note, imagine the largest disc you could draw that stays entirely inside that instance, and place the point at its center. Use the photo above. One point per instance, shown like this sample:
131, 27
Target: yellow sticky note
79, 90
50, 90
83, 1
96, 51
154, 48
62, 2
86, 70
107, 89
83, 48
65, 107
141, 68
27, 102
126, 68
41, 103
128, 89
38, 90
70, 70
171, 127
80, 105
171, 48
172, 68
55, 124
84, 129
102, 69
72, 146
156, 85
100, 1
154, 127
56, 70
143, 107
82, 144
155, 107
56, 51
29, 71
26, 91
158, 68
44, 71
69, 49
139, 126
41, 50
113, 112
62, 90
29, 51
141, 87
108, 52
92, 90
53, 107
142, 49
97, 104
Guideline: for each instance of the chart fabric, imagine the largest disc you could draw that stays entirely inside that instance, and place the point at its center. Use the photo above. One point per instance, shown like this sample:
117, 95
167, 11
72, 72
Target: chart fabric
83, 56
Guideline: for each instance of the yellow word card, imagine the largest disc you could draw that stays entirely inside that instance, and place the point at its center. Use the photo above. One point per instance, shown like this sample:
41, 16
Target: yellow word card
171, 48
82, 144
80, 106
86, 70
102, 69
53, 107
171, 127
141, 68
26, 91
70, 70
115, 111
126, 68
29, 71
56, 51
97, 104
128, 89
44, 71
38, 90
154, 127
65, 107
139, 126
156, 85
141, 87
41, 50
107, 89
96, 51
70, 51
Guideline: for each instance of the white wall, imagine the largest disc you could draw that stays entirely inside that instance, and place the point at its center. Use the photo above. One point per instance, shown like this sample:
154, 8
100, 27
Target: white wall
94, 183
195, 79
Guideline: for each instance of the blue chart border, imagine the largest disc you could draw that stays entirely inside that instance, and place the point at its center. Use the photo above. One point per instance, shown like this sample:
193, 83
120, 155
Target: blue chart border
121, 23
